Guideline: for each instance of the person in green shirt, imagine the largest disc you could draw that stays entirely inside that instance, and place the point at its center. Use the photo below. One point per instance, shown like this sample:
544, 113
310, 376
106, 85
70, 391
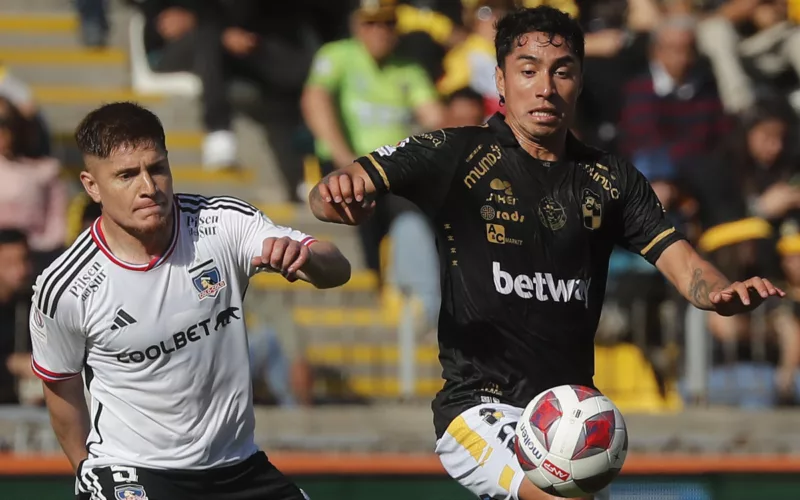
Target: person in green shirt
360, 96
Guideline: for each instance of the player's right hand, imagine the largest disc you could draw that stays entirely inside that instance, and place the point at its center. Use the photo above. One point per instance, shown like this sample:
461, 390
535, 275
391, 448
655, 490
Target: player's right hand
347, 194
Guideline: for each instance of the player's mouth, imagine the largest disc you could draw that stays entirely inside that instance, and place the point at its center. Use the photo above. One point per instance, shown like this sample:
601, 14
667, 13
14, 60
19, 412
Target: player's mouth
545, 115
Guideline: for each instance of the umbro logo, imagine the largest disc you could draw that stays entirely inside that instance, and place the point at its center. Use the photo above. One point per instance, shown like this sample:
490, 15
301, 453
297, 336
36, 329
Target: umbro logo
122, 319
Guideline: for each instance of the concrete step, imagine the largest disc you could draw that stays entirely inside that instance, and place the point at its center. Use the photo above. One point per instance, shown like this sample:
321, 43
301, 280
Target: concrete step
75, 67
54, 29
46, 7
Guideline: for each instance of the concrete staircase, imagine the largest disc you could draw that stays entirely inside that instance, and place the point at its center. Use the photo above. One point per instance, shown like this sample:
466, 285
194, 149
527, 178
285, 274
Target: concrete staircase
352, 330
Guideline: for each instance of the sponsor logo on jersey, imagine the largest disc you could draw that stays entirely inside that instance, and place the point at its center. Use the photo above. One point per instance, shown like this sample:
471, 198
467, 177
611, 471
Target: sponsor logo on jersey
600, 174
592, 210
435, 139
503, 193
495, 233
555, 470
488, 212
130, 492
179, 340
541, 286
552, 214
389, 150
208, 283
89, 282
485, 163
206, 225
122, 319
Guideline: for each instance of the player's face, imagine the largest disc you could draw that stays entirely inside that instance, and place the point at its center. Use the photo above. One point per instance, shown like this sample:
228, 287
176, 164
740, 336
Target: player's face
541, 83
134, 187
765, 141
16, 266
379, 37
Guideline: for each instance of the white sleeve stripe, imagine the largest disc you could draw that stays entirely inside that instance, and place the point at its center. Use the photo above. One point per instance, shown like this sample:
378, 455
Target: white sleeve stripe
57, 274
204, 202
49, 376
308, 240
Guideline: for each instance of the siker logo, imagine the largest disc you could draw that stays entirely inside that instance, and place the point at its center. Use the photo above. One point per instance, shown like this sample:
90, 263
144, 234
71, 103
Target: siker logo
528, 442
505, 196
555, 470
181, 339
541, 286
486, 162
208, 283
89, 282
596, 174
495, 233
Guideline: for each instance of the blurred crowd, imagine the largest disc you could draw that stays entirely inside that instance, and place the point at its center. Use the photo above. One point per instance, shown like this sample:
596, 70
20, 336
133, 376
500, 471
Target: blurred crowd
702, 95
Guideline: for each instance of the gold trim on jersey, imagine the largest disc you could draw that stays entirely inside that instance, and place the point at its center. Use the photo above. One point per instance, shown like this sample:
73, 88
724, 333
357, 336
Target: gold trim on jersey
380, 170
663, 234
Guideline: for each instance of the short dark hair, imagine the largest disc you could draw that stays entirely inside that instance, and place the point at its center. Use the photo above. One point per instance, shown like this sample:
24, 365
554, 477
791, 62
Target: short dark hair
465, 93
541, 19
11, 236
118, 125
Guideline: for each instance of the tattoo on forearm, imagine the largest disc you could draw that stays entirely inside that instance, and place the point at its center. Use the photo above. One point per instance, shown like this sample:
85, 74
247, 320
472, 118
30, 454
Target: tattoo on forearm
700, 288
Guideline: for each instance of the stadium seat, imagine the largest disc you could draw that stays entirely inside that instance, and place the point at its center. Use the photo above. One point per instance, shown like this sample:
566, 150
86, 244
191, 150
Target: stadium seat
146, 81
624, 375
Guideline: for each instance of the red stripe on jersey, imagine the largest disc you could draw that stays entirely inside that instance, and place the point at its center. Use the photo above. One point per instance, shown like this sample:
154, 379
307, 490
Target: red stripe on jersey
49, 376
100, 240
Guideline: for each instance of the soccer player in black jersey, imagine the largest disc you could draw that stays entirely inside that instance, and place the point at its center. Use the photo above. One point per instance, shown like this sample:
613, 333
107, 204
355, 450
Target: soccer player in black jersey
526, 217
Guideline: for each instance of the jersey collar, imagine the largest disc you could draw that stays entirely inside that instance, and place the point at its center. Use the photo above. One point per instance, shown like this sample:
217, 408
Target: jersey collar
100, 240
575, 149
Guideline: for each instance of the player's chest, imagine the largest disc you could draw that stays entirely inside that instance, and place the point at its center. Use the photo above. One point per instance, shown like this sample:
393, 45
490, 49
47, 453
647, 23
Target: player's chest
161, 310
517, 206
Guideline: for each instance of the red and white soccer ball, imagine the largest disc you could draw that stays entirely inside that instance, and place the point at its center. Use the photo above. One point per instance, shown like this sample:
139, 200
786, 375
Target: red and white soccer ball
571, 441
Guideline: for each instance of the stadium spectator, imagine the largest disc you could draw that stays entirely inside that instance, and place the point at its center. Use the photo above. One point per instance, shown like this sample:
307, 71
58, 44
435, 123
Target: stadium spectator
361, 96
464, 107
15, 358
94, 22
472, 63
20, 94
675, 104
248, 40
33, 198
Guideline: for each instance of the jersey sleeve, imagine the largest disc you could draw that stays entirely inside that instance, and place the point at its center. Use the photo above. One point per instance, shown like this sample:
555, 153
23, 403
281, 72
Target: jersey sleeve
644, 227
58, 343
326, 68
419, 168
252, 229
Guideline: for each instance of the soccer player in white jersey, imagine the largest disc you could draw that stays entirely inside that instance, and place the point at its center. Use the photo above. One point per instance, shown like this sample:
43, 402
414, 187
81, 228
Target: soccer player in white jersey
148, 304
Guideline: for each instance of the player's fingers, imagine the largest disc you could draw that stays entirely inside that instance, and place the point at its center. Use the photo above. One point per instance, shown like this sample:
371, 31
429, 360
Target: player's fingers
256, 262
741, 290
772, 289
276, 257
346, 186
266, 251
333, 189
759, 286
291, 253
359, 188
324, 192
302, 258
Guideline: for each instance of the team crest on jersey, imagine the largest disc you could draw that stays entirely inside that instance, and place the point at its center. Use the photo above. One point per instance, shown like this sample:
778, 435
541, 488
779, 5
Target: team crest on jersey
130, 492
208, 283
552, 214
592, 210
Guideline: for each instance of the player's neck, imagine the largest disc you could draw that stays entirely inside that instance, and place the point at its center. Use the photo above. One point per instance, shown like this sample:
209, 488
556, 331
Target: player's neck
542, 148
136, 248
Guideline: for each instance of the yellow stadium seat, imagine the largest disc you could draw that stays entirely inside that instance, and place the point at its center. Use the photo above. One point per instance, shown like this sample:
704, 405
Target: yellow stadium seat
624, 375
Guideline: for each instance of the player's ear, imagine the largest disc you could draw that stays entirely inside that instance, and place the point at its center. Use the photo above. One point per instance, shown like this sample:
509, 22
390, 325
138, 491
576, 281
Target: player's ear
90, 185
500, 80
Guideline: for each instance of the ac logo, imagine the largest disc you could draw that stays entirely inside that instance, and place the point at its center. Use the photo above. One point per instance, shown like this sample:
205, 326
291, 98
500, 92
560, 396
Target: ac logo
495, 233
592, 210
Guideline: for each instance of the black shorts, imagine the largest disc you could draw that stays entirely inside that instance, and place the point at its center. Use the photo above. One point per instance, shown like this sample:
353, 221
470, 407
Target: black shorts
253, 479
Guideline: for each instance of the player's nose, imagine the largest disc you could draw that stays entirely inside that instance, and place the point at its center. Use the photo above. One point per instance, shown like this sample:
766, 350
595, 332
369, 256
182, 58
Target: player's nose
543, 85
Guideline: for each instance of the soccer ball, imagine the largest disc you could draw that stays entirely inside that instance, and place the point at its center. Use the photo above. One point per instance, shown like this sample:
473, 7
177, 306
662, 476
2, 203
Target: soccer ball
571, 441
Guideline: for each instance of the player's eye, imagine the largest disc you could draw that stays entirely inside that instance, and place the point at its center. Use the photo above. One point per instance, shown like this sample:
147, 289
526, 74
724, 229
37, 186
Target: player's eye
528, 72
562, 73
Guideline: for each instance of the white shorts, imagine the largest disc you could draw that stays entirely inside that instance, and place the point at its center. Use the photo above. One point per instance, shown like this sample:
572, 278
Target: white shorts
477, 450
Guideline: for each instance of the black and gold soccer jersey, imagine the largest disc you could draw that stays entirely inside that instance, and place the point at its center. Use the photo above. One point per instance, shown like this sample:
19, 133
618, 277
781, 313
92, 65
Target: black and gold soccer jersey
524, 247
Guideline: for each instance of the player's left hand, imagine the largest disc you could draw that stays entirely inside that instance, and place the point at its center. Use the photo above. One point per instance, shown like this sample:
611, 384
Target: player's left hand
283, 255
743, 296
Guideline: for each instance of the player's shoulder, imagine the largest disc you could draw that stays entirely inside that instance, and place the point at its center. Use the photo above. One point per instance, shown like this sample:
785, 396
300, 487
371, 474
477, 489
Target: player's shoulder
193, 206
54, 287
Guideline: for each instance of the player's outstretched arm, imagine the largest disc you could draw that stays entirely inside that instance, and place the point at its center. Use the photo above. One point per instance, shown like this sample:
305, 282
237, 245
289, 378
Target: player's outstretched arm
346, 196
69, 417
320, 263
707, 288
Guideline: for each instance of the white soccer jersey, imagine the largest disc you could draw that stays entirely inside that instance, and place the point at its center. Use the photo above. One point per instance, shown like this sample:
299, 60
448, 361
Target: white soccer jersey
163, 345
